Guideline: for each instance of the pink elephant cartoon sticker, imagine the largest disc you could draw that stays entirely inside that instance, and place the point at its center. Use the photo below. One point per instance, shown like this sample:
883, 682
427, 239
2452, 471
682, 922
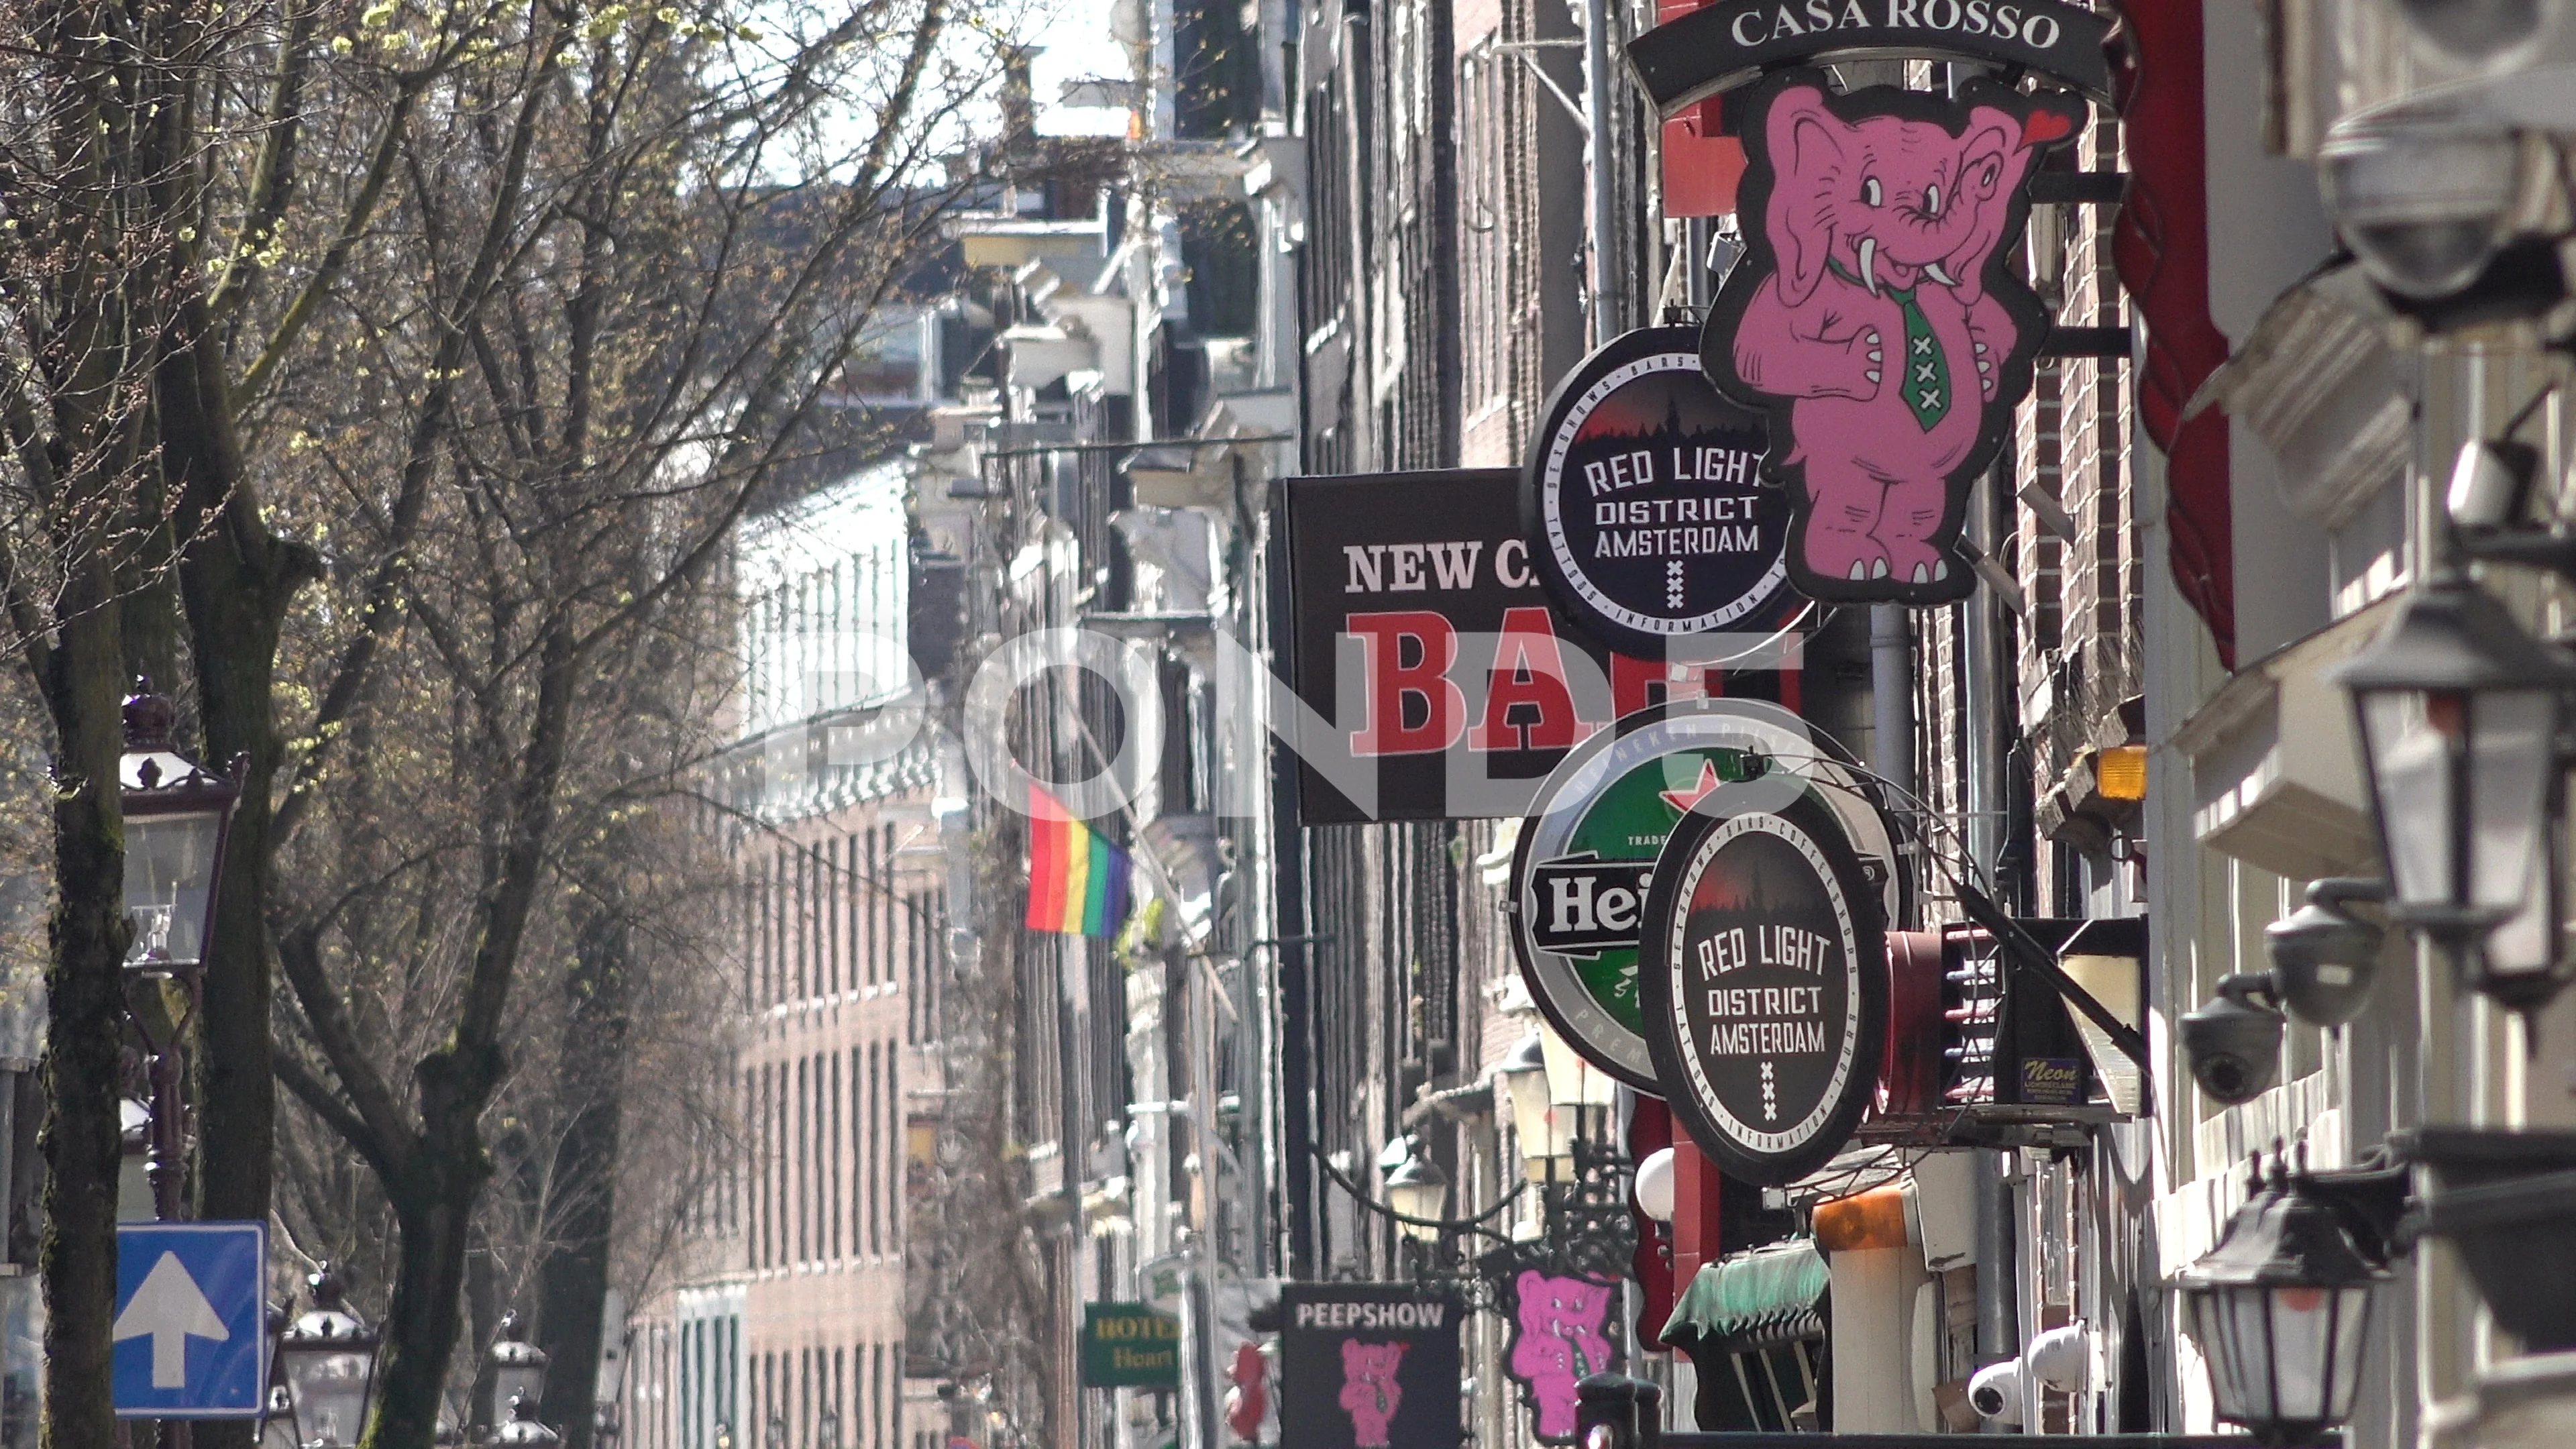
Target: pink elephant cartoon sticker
1370, 1393
1559, 1341
1876, 319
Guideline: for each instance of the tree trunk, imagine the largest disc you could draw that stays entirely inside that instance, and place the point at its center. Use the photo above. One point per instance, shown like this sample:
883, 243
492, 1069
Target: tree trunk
236, 580
433, 1201
85, 1032
581, 1191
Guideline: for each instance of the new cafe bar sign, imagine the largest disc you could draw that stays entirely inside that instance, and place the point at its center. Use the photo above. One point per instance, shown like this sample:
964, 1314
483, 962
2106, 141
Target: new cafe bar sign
1434, 676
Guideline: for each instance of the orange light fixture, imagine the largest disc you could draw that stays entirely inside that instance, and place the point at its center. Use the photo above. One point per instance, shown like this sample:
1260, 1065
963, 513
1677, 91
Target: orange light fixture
1873, 1219
2121, 772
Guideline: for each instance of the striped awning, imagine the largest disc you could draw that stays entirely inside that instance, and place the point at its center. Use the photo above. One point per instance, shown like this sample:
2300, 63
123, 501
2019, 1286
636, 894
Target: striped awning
1759, 1299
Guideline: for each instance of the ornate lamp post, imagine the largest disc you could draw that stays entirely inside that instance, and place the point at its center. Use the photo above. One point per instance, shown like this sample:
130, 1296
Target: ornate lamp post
522, 1428
2279, 1309
2458, 712
1419, 1192
177, 816
518, 1370
328, 1360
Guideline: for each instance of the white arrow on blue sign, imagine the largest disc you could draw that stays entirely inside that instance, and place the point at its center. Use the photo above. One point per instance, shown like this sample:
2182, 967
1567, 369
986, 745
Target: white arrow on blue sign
191, 1320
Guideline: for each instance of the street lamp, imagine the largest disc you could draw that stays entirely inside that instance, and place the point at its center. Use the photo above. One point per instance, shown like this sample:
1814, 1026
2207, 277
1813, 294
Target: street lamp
176, 817
523, 1428
328, 1359
1419, 1192
2279, 1309
518, 1369
2458, 712
1546, 1135
177, 814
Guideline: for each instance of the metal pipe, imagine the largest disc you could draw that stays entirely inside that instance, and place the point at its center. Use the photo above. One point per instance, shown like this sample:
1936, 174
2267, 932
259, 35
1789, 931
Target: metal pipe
1891, 685
1598, 76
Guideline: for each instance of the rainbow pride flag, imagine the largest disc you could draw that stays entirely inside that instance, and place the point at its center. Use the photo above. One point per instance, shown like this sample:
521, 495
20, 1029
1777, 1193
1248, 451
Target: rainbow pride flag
1077, 879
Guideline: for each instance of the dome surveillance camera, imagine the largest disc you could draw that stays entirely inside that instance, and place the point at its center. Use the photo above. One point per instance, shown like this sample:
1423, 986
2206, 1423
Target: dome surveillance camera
2324, 958
2233, 1044
2424, 201
1995, 1391
2478, 31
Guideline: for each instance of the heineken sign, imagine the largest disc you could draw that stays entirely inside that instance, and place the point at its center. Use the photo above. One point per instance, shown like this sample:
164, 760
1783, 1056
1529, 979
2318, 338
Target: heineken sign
1584, 865
1587, 905
1765, 986
1723, 45
1647, 513
1130, 1345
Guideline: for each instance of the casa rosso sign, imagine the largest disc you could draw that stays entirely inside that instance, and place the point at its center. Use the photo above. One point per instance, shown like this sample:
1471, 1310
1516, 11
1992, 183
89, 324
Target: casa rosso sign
1721, 46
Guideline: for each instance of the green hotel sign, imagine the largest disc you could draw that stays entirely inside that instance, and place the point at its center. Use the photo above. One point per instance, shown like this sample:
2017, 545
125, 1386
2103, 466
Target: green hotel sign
1131, 1346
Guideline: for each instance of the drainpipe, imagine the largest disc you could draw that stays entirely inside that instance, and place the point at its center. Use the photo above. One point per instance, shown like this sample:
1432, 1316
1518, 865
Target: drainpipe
1601, 278
1891, 688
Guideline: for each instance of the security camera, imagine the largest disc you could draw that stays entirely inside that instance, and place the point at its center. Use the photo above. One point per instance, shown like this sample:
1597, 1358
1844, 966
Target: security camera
2059, 1357
2480, 32
1995, 1391
2234, 1043
2424, 201
2324, 958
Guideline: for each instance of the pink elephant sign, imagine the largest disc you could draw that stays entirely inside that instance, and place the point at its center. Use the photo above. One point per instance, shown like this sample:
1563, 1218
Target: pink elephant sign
1877, 319
1558, 1339
1371, 1392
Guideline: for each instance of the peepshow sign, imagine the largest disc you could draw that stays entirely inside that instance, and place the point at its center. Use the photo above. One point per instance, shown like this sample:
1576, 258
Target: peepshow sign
1764, 987
1368, 1366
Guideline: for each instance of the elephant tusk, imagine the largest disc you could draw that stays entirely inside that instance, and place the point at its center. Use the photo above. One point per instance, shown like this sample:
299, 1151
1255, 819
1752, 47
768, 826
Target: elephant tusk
1869, 264
1933, 270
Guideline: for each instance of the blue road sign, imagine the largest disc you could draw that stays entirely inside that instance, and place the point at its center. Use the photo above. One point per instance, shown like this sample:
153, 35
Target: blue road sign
191, 1320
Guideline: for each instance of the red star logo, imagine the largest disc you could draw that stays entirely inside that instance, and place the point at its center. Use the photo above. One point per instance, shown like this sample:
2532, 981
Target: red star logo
1685, 800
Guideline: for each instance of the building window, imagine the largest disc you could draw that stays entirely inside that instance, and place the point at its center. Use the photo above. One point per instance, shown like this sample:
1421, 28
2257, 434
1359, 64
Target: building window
876, 1144
835, 1191
875, 882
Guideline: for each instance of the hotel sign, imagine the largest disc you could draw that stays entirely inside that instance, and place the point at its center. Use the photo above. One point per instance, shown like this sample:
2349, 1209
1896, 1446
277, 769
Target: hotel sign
1130, 1345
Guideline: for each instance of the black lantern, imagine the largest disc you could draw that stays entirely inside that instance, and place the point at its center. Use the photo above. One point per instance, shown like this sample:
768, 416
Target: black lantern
522, 1427
2279, 1309
1419, 1192
2458, 711
328, 1360
176, 817
518, 1370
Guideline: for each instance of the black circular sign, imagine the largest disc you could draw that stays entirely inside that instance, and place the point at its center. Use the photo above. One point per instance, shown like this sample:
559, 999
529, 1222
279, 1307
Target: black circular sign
1644, 499
1765, 987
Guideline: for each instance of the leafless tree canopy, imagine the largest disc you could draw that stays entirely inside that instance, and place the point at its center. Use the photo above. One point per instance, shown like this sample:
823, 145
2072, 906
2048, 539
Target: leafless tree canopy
386, 380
